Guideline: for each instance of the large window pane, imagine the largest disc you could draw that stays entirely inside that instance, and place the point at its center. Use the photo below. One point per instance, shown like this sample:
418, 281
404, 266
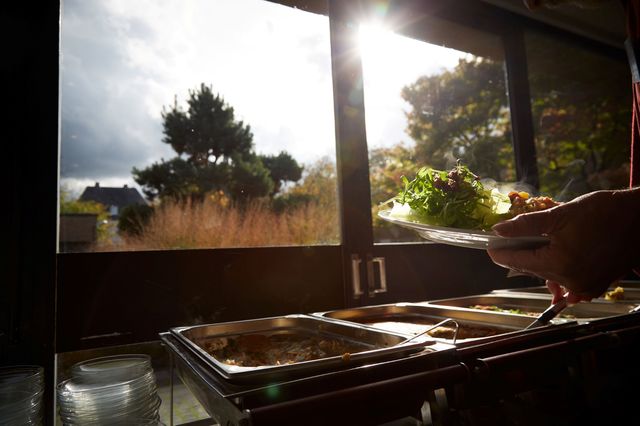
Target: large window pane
195, 124
429, 105
581, 110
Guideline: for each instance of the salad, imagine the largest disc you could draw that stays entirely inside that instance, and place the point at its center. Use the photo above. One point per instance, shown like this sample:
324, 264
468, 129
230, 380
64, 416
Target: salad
458, 199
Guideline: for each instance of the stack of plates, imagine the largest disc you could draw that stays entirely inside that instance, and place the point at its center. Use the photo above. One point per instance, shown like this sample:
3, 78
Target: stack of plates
21, 390
118, 389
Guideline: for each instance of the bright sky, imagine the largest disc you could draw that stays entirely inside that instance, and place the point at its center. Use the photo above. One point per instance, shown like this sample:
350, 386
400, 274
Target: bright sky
123, 60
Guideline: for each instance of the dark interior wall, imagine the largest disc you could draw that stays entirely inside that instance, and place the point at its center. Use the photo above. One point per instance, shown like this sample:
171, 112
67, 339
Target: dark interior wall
29, 70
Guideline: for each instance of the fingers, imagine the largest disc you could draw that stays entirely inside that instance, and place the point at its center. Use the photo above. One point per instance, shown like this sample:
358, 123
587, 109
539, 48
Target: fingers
531, 261
528, 224
573, 298
556, 291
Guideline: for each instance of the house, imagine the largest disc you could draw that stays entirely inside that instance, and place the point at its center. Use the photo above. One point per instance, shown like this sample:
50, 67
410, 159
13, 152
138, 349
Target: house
114, 199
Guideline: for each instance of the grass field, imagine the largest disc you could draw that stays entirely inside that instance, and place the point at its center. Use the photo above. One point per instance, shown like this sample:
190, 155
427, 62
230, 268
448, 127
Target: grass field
210, 225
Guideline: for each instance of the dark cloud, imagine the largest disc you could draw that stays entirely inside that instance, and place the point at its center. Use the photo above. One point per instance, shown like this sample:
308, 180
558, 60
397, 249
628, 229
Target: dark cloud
106, 128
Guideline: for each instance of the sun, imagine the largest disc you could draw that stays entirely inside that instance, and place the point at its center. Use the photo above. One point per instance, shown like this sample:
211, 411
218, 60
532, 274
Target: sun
374, 40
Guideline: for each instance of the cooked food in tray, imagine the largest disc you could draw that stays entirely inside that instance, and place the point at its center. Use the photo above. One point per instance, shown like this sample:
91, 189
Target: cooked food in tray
255, 350
290, 346
615, 294
417, 324
464, 332
517, 311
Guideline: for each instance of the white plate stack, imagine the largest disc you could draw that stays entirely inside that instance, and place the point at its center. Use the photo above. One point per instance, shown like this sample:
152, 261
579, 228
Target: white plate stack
21, 389
112, 390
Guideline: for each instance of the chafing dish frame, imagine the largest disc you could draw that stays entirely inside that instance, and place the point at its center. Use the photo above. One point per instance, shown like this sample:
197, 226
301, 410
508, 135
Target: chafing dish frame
584, 311
513, 324
190, 336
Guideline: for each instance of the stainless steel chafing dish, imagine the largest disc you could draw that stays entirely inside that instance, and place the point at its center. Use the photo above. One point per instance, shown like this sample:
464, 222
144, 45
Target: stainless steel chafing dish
535, 304
631, 294
411, 318
374, 345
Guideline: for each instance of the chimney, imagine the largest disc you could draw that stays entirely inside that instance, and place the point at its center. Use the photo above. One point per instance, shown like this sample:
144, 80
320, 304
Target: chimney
125, 186
97, 184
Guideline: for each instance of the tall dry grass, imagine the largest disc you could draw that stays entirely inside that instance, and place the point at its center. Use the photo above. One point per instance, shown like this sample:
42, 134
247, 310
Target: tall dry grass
210, 225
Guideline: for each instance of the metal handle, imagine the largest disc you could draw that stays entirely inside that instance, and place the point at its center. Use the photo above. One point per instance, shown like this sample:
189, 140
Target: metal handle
355, 276
383, 277
549, 314
433, 327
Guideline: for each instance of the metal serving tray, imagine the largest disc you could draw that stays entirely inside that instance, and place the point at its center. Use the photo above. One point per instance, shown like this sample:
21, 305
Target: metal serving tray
536, 305
377, 345
631, 294
409, 318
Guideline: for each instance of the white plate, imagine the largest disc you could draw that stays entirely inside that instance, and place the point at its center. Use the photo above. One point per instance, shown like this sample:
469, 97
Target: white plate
466, 237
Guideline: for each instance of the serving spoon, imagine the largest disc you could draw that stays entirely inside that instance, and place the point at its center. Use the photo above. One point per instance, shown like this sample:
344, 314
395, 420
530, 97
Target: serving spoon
441, 323
550, 313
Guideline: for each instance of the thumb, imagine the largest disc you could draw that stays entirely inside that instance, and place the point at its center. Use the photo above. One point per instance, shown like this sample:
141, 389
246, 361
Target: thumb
528, 224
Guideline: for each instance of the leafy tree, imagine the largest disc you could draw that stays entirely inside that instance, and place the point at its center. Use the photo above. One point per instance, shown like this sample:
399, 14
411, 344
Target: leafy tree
249, 179
387, 166
282, 167
176, 179
462, 113
581, 118
581, 121
318, 185
208, 132
215, 153
134, 218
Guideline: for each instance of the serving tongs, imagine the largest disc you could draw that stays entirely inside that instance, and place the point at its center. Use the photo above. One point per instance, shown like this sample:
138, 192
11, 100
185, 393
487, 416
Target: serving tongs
550, 313
441, 323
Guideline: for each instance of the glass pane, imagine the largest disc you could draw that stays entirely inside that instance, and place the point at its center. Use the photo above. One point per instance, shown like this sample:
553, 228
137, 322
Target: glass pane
429, 105
195, 124
581, 112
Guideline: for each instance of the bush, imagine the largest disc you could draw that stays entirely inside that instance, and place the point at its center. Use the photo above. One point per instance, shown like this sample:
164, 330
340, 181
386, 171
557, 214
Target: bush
134, 218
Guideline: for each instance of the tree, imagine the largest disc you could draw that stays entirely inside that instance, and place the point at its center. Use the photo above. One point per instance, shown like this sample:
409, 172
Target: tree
249, 179
581, 110
134, 218
215, 153
462, 113
176, 179
581, 121
282, 167
318, 185
208, 133
387, 166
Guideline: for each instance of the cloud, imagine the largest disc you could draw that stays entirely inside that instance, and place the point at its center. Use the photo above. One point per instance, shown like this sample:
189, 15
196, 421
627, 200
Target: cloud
105, 130
123, 61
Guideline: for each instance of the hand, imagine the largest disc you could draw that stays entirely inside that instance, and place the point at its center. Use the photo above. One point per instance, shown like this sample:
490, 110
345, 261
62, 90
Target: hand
594, 241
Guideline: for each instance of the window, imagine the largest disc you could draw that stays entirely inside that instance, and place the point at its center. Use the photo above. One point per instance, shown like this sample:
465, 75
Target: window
379, 95
196, 124
581, 107
430, 105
